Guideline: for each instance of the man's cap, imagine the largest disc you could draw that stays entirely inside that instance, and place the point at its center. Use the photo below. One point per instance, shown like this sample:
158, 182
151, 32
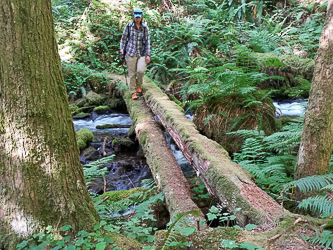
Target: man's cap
137, 13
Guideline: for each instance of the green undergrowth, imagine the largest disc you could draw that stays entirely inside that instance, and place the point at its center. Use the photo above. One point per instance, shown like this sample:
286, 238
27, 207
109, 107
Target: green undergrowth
200, 52
270, 159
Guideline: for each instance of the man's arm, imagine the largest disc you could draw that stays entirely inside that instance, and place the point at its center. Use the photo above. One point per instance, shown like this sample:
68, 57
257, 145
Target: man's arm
123, 40
147, 46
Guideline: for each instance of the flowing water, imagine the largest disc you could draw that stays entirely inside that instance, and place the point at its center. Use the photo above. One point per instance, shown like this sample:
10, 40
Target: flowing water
290, 109
128, 170
114, 118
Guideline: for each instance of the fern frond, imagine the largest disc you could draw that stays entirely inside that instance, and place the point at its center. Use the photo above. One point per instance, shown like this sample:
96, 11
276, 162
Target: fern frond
326, 239
276, 168
179, 217
148, 183
310, 183
319, 204
252, 168
330, 187
248, 133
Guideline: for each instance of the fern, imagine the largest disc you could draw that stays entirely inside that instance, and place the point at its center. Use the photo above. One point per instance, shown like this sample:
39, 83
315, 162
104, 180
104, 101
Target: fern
271, 163
149, 183
97, 168
309, 183
330, 187
325, 239
171, 235
287, 139
263, 41
319, 204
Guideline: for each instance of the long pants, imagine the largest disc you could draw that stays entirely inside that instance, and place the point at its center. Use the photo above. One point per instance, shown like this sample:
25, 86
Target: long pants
136, 70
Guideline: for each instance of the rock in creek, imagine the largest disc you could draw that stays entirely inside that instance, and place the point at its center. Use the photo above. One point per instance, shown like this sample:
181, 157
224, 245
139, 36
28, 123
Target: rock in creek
123, 175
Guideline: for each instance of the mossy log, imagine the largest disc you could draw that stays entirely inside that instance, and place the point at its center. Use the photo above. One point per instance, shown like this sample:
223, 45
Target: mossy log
223, 178
284, 234
163, 165
291, 67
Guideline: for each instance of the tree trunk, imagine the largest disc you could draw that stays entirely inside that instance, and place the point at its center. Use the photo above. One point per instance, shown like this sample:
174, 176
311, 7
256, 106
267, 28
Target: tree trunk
228, 181
41, 178
317, 137
163, 165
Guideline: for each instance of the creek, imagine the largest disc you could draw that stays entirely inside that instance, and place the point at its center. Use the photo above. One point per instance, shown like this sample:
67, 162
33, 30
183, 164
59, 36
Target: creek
292, 109
129, 168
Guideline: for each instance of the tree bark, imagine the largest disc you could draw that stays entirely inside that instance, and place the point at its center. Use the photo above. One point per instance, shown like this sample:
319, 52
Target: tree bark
228, 181
317, 137
41, 178
163, 165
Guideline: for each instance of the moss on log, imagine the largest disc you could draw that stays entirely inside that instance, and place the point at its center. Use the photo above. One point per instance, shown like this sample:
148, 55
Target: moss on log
290, 66
227, 180
164, 167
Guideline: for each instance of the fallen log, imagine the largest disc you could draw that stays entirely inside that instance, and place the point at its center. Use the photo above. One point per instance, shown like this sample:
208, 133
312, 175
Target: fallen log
163, 165
229, 182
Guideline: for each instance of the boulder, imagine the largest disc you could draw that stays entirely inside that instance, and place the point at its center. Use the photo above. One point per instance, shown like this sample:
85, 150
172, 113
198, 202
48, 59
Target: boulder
102, 110
123, 144
81, 116
94, 98
84, 137
89, 154
80, 102
117, 104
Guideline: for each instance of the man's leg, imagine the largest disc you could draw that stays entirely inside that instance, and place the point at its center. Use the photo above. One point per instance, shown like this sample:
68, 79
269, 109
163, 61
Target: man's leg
132, 65
141, 69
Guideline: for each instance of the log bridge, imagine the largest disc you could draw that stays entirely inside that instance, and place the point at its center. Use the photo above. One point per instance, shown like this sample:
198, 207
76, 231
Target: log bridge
229, 182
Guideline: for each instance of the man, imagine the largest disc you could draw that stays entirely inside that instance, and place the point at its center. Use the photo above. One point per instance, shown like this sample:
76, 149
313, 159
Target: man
135, 44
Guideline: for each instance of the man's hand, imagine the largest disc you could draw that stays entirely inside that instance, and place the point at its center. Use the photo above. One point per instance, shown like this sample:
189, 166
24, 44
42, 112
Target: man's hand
147, 59
121, 54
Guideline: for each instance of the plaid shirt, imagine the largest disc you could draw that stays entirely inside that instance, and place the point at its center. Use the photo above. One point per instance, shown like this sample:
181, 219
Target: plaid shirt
135, 43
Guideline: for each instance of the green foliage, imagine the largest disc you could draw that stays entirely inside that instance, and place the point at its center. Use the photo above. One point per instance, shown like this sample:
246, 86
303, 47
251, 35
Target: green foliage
74, 79
205, 48
326, 239
318, 204
97, 239
263, 41
199, 191
217, 212
81, 144
310, 183
230, 244
301, 90
179, 228
96, 169
137, 225
85, 134
270, 159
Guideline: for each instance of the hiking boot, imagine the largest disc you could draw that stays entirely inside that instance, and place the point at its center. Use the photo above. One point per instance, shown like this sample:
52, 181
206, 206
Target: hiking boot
134, 97
138, 89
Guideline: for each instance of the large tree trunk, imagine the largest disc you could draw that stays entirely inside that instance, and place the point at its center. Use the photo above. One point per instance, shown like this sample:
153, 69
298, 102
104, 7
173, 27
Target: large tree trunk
41, 178
163, 165
228, 181
317, 138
